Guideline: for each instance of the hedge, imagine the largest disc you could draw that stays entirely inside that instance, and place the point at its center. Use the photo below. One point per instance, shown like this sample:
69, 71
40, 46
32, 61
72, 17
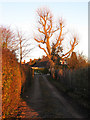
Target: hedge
11, 83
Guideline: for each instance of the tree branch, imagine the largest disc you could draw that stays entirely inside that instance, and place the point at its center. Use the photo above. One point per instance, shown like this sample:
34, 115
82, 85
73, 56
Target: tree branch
27, 52
45, 51
59, 38
54, 31
41, 31
41, 41
41, 22
72, 47
60, 41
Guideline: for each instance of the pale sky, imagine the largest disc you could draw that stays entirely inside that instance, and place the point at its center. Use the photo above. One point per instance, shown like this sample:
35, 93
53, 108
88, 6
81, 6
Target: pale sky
22, 15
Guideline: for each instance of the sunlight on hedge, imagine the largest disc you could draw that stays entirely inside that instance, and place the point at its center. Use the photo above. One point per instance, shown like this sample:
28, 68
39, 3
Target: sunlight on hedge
11, 83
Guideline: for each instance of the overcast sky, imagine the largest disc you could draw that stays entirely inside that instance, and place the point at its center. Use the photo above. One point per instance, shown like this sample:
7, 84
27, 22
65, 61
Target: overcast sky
22, 15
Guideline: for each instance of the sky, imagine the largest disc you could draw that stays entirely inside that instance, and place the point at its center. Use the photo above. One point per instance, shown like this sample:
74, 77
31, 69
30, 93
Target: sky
22, 15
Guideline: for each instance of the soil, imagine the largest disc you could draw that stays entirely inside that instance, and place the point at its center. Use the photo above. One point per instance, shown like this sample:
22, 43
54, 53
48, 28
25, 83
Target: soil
43, 100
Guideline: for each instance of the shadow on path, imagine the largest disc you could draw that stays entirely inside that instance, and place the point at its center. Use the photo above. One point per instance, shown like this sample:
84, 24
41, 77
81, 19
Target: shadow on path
44, 101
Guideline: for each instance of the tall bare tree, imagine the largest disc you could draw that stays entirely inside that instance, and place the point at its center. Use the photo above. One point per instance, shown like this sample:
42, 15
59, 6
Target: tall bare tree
15, 41
47, 31
23, 46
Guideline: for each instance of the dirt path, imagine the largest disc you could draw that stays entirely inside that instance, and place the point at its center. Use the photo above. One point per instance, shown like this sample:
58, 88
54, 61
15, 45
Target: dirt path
44, 101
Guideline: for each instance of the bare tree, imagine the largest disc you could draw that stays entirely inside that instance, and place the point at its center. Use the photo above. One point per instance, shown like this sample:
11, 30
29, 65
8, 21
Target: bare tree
15, 42
46, 31
7, 37
23, 45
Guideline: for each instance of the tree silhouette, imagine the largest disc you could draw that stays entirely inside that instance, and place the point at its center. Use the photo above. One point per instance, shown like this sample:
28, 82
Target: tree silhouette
47, 31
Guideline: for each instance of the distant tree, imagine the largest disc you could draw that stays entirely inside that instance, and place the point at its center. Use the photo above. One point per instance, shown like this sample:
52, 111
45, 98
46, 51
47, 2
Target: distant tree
32, 62
23, 45
15, 42
7, 37
39, 59
82, 60
76, 61
47, 31
73, 62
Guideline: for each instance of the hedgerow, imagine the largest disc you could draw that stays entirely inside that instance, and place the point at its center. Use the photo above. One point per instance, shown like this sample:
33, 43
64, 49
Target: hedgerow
12, 80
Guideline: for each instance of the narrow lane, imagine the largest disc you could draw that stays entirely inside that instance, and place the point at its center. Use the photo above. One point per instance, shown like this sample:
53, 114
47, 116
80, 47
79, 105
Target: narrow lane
44, 99
60, 106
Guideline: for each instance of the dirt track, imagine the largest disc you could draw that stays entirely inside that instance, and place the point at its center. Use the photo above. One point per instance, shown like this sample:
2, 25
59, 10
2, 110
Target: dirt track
45, 101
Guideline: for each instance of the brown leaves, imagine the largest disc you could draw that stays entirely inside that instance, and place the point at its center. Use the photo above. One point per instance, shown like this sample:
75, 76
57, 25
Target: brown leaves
25, 111
11, 82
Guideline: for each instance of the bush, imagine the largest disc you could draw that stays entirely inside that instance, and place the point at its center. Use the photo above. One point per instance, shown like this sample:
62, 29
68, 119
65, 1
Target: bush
11, 83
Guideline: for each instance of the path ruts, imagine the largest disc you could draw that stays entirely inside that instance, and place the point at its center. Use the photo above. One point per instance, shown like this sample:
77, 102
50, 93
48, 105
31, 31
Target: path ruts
42, 100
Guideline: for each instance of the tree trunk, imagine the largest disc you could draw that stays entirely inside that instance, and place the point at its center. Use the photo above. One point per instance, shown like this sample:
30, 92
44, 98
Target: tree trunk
20, 53
52, 68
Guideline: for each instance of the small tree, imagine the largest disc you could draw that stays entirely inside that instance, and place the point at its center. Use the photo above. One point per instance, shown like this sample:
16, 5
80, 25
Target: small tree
46, 31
